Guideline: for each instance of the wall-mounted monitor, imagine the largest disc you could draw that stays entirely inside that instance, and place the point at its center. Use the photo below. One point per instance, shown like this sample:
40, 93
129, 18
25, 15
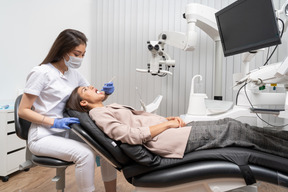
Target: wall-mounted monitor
247, 25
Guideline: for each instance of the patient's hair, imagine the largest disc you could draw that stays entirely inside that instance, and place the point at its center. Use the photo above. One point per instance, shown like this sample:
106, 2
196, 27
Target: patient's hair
74, 100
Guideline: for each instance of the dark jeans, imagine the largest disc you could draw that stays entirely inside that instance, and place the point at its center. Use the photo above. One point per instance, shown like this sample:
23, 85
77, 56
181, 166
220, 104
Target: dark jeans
229, 132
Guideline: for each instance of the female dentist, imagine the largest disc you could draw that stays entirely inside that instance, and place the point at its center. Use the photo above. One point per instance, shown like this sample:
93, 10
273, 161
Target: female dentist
47, 89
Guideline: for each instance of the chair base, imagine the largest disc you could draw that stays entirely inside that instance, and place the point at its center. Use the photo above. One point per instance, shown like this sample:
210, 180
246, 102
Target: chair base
209, 185
60, 178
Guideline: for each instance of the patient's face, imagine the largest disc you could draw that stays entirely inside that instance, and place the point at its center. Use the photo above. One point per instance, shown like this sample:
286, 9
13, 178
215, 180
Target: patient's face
91, 94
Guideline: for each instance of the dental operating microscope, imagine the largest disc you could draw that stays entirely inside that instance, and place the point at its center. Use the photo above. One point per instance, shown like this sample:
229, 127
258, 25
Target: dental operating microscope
250, 99
196, 15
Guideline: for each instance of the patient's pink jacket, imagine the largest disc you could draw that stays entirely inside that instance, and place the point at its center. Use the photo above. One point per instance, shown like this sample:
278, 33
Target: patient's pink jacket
123, 123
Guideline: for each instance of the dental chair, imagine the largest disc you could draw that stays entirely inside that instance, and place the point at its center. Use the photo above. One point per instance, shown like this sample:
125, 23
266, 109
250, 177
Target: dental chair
21, 128
214, 170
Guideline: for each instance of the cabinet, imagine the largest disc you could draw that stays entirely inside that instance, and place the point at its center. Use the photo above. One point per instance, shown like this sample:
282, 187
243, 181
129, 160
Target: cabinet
12, 148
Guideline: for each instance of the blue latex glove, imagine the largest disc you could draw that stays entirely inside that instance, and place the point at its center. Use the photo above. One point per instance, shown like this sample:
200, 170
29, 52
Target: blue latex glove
108, 88
63, 123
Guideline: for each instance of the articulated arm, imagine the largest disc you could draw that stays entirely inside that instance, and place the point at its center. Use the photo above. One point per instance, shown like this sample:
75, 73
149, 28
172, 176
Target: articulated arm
283, 14
270, 74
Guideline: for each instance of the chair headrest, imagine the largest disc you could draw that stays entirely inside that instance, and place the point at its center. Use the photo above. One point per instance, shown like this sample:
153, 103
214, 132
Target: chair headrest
91, 128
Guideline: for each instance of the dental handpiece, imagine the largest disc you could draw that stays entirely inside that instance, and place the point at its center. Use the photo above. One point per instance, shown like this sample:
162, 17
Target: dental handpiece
112, 79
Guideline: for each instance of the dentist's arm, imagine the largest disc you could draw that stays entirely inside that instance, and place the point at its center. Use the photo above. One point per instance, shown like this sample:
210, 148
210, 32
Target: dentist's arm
26, 113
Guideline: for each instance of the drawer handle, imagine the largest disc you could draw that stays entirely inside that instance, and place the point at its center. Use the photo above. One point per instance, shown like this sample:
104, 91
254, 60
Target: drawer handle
10, 133
15, 150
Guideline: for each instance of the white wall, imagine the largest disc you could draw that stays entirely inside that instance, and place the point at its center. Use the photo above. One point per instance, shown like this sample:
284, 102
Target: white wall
28, 29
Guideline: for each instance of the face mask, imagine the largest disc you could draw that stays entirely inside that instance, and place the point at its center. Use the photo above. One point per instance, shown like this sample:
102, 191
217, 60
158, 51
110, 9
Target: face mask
73, 62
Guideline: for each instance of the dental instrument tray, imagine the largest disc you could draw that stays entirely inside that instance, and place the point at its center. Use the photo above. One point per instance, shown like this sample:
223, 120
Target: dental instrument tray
266, 111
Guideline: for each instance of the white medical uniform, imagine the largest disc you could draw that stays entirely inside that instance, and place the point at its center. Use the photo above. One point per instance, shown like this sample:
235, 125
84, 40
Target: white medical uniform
53, 90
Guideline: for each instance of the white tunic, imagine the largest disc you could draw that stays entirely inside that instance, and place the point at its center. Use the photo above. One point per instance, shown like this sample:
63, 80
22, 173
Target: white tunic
53, 90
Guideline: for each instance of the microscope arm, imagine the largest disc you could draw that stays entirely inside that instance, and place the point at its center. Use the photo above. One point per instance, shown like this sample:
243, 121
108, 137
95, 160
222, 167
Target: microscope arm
196, 15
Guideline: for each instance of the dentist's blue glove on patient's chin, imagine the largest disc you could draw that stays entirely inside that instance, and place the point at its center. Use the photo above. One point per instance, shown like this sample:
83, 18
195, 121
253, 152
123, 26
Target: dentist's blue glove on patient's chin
63, 123
108, 88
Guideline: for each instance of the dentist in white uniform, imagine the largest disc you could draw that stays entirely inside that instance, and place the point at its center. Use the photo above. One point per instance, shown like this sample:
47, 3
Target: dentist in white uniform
47, 89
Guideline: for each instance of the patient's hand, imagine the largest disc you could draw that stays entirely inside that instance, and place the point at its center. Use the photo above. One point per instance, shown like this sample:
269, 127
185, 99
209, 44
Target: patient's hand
173, 122
177, 120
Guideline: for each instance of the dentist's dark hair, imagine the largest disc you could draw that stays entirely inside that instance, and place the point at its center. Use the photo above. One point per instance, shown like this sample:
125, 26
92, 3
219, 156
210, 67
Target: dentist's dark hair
73, 102
66, 41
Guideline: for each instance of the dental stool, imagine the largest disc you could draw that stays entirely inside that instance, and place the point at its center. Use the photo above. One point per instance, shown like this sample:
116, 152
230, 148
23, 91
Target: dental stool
21, 128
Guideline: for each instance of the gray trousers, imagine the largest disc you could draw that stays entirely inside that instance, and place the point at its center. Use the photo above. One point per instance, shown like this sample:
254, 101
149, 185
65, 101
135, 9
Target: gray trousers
229, 132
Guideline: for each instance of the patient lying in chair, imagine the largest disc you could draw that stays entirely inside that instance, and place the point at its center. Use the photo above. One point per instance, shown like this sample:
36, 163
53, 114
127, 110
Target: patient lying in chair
170, 137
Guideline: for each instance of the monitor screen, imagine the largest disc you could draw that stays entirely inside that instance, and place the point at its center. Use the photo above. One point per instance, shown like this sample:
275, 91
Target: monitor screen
247, 25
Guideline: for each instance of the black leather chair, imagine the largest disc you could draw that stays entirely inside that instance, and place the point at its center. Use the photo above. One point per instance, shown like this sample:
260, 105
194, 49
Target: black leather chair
230, 167
21, 128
